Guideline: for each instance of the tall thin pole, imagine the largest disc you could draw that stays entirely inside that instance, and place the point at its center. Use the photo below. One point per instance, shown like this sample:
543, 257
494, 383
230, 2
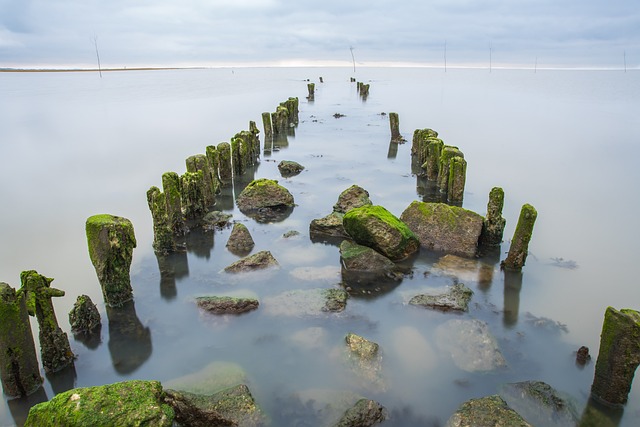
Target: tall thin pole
353, 58
95, 43
445, 56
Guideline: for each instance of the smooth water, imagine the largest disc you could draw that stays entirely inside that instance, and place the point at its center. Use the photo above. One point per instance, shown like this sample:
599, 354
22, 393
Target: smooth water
74, 144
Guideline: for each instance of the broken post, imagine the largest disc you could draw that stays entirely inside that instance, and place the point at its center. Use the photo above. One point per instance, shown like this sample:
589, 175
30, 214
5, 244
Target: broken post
19, 370
171, 189
493, 224
55, 349
448, 153
280, 120
618, 357
311, 87
520, 242
457, 177
213, 158
420, 137
394, 123
364, 90
163, 242
432, 163
192, 191
266, 124
253, 128
197, 163
236, 156
225, 171
111, 241
84, 316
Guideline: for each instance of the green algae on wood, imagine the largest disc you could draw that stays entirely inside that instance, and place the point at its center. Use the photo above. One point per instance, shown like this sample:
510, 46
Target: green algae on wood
128, 403
172, 188
494, 223
457, 179
431, 165
19, 370
199, 162
394, 124
618, 356
266, 124
213, 158
84, 317
111, 241
447, 153
163, 241
55, 349
280, 120
311, 88
521, 237
193, 198
225, 169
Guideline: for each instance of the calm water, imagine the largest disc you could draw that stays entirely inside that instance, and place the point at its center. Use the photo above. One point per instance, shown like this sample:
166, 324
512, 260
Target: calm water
73, 145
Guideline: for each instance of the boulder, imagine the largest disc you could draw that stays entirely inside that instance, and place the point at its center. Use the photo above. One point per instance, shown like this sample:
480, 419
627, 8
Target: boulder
471, 346
306, 302
257, 261
317, 407
352, 197
240, 240
444, 228
489, 411
214, 377
358, 258
376, 227
231, 407
264, 193
289, 168
330, 226
457, 299
128, 403
84, 316
364, 413
540, 404
226, 305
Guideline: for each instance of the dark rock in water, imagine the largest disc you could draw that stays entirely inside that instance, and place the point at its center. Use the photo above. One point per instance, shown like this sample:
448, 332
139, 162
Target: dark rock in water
540, 404
289, 168
240, 240
329, 226
84, 316
290, 233
264, 193
231, 407
215, 220
360, 258
582, 356
490, 411
315, 407
352, 197
365, 361
364, 413
456, 299
444, 228
257, 261
336, 300
361, 347
376, 227
226, 305
128, 403
471, 345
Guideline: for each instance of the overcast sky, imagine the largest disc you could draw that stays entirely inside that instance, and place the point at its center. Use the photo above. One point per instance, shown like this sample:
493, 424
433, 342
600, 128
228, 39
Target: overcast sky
571, 33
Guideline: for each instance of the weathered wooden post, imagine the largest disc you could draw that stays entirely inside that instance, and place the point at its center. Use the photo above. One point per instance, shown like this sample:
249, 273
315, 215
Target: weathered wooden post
394, 123
493, 224
253, 128
266, 124
171, 188
364, 90
162, 234
431, 165
213, 157
192, 191
225, 171
55, 349
280, 120
618, 357
292, 105
457, 178
522, 235
448, 153
237, 161
199, 162
420, 137
111, 241
19, 370
311, 88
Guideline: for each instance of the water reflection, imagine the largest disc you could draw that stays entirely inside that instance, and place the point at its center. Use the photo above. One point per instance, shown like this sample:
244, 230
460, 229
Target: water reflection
200, 242
393, 150
597, 414
490, 257
19, 408
129, 340
91, 339
63, 380
172, 267
512, 287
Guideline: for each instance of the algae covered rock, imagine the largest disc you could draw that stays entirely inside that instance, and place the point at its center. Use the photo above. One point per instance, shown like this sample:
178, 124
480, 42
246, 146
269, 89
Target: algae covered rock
84, 316
364, 413
358, 258
214, 377
457, 299
257, 261
365, 361
376, 227
540, 404
226, 305
353, 197
128, 403
264, 193
361, 347
490, 411
444, 228
289, 168
240, 240
328, 226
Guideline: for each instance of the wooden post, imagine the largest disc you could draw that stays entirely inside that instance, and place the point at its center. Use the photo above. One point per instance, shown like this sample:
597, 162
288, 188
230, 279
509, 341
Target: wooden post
521, 237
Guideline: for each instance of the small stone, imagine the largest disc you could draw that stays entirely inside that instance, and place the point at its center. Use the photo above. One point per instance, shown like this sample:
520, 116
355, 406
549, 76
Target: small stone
226, 305
364, 413
582, 356
456, 299
257, 261
84, 316
240, 240
289, 168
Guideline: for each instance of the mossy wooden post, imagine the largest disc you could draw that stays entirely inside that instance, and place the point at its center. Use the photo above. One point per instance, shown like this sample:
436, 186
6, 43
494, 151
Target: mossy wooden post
493, 224
432, 163
364, 90
291, 104
213, 158
162, 234
457, 178
266, 124
192, 191
618, 357
311, 88
447, 153
420, 137
236, 156
253, 128
280, 120
520, 242
225, 170
171, 188
55, 350
19, 369
197, 163
394, 123
111, 241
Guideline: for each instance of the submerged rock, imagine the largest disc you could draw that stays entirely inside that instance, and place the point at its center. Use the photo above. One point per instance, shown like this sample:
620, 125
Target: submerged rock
361, 347
540, 404
413, 351
364, 413
216, 220
264, 193
365, 361
214, 377
231, 407
240, 240
127, 403
444, 228
376, 227
84, 316
358, 258
257, 261
353, 197
456, 299
226, 305
465, 269
490, 411
306, 302
289, 168
317, 407
471, 346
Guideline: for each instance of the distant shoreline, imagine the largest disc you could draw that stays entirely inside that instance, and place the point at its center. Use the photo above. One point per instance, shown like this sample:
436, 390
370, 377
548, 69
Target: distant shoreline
95, 70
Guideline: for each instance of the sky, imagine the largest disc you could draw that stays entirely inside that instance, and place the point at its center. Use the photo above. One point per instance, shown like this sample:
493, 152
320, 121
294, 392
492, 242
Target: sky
131, 33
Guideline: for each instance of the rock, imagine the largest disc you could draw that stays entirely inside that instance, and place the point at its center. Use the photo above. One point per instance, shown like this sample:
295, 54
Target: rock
456, 299
352, 197
464, 269
111, 241
226, 305
215, 220
330, 226
376, 227
214, 377
358, 258
84, 316
490, 411
361, 347
307, 302
289, 168
364, 413
264, 193
128, 403
318, 407
257, 261
365, 361
240, 240
231, 407
444, 228
582, 356
470, 344
540, 404
291, 233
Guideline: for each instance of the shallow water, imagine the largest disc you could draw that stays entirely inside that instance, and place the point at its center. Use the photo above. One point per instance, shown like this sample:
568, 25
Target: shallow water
74, 145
